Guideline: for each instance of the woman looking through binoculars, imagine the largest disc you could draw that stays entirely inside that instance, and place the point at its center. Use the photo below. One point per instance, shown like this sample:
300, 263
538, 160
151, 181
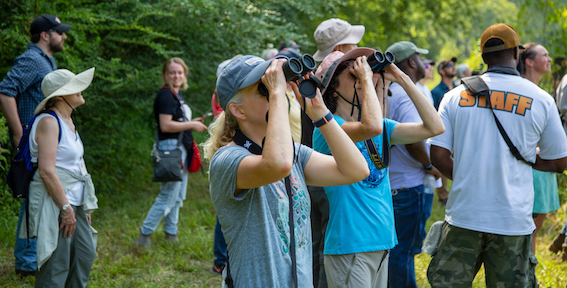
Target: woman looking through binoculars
361, 226
256, 169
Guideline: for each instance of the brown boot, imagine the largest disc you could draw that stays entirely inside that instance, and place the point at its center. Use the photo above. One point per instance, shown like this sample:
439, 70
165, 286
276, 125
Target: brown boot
564, 256
555, 246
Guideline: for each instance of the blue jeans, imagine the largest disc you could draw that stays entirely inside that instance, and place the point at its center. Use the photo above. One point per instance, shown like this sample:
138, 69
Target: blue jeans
412, 207
169, 200
26, 257
219, 246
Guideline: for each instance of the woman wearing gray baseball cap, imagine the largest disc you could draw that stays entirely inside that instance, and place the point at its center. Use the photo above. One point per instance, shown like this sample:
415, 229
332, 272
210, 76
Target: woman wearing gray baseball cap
256, 170
61, 194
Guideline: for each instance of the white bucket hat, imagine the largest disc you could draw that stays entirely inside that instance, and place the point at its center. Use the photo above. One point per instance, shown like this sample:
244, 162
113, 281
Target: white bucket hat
333, 32
63, 82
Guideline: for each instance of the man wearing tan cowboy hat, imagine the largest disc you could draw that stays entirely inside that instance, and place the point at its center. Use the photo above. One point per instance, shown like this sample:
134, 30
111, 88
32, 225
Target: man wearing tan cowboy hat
488, 219
20, 92
331, 35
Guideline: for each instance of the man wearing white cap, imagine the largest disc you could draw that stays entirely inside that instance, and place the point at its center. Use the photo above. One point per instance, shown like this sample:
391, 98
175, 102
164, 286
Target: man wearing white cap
331, 35
20, 93
488, 219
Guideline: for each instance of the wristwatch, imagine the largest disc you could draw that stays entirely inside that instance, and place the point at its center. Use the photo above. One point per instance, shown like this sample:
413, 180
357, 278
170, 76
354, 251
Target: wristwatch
428, 167
64, 207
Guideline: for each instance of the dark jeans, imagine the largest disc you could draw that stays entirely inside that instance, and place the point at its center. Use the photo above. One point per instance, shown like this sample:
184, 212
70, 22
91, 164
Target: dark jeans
26, 257
319, 219
412, 207
219, 246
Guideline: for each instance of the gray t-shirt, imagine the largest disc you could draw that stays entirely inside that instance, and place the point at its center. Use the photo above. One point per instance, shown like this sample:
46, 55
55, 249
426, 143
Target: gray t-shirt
255, 223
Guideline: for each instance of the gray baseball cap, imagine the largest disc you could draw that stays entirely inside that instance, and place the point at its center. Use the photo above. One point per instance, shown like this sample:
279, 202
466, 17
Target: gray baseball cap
239, 74
404, 49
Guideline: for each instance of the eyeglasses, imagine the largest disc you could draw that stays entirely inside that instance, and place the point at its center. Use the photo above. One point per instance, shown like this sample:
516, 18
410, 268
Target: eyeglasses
450, 65
58, 32
427, 66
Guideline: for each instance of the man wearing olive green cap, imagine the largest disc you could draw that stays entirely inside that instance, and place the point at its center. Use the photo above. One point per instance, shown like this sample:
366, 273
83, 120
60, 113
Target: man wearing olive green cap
488, 220
409, 166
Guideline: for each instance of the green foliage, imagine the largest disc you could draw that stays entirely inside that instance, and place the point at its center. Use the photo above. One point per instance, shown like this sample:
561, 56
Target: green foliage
128, 40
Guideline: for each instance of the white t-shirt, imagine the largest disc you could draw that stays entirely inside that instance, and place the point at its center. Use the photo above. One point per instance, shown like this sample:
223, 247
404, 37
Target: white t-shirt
69, 156
492, 191
561, 100
426, 92
405, 171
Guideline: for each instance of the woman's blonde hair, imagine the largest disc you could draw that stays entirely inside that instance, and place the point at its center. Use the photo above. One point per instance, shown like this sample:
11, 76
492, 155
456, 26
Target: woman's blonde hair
165, 68
222, 129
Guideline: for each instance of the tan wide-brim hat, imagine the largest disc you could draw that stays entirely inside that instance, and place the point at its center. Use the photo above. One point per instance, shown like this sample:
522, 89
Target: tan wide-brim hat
63, 82
333, 32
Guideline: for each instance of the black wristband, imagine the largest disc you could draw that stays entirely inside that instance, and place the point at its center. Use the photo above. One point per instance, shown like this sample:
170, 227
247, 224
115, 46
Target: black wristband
323, 120
428, 167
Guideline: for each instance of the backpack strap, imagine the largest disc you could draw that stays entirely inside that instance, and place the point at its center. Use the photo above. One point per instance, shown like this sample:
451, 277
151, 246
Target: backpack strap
478, 87
34, 165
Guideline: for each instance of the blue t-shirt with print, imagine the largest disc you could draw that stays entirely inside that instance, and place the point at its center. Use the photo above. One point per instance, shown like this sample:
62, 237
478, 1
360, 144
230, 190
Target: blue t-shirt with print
361, 217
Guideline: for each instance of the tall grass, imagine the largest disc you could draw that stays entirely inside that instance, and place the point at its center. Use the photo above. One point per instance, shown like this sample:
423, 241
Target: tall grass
119, 263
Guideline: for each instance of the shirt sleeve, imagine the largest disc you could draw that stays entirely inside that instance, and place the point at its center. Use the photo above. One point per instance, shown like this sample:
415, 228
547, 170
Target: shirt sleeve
303, 154
21, 76
406, 111
390, 126
223, 170
166, 102
553, 141
444, 140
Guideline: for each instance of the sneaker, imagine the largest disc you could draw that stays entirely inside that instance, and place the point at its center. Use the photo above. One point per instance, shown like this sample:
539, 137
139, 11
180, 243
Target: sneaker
555, 246
144, 240
217, 269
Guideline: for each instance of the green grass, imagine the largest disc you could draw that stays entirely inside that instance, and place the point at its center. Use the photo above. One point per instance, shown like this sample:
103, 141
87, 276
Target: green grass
119, 263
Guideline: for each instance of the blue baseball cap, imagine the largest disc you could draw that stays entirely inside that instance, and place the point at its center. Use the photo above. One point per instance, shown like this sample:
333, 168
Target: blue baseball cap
241, 73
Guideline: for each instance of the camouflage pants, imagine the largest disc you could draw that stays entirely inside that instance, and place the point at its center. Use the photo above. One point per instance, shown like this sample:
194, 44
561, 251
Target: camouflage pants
508, 261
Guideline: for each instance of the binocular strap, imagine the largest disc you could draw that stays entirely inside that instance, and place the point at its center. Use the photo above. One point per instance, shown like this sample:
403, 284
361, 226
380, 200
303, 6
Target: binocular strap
379, 162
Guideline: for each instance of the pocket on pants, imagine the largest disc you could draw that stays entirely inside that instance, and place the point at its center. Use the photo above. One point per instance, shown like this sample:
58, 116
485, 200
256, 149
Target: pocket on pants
532, 277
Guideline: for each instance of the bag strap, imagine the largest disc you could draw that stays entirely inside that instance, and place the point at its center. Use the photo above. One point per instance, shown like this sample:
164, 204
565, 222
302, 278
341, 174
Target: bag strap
478, 87
379, 162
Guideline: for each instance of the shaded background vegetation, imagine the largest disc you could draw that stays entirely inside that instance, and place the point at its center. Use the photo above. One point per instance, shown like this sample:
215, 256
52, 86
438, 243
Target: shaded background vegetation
128, 40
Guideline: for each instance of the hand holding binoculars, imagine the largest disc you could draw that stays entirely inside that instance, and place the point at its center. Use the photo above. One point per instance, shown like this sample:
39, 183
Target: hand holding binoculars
296, 68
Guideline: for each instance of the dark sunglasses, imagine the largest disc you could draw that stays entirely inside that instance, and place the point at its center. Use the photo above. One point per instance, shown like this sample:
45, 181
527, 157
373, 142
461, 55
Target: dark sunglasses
58, 32
427, 66
449, 66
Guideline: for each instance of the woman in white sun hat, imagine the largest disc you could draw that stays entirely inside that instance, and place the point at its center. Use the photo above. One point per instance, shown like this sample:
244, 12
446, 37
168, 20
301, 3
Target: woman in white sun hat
61, 194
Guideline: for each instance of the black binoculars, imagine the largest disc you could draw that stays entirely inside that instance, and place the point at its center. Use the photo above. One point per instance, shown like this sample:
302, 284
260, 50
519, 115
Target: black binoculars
378, 60
294, 69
